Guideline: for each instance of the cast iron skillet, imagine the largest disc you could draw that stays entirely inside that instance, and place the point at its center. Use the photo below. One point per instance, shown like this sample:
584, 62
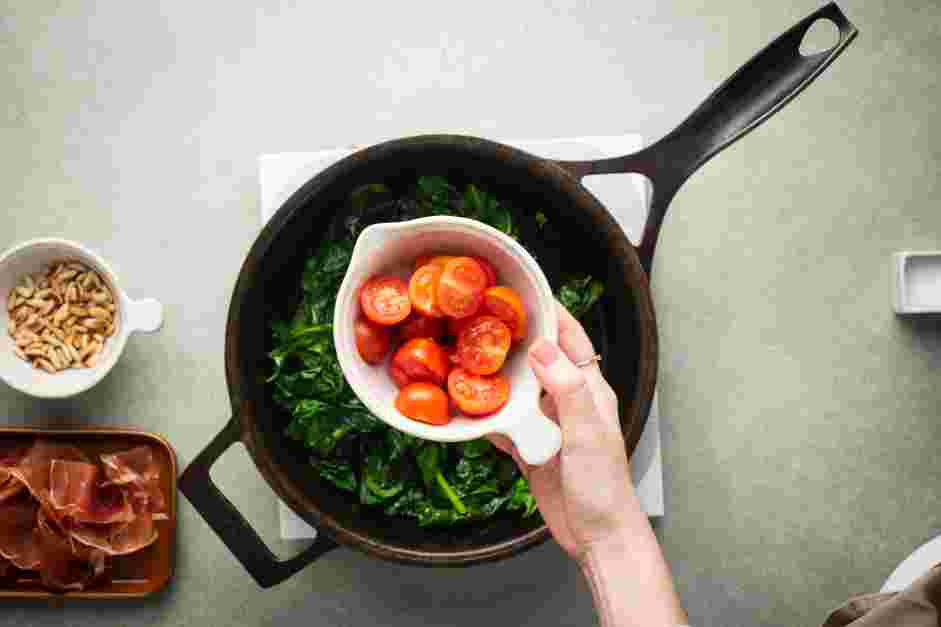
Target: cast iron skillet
624, 328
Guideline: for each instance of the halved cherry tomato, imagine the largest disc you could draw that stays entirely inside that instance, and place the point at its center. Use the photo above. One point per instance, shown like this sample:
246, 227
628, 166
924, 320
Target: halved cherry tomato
372, 340
488, 269
478, 395
424, 402
483, 345
461, 287
421, 326
384, 300
420, 359
436, 260
506, 305
423, 289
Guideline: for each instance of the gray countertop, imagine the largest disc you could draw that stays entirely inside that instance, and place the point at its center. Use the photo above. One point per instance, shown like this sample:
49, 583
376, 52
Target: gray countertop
800, 414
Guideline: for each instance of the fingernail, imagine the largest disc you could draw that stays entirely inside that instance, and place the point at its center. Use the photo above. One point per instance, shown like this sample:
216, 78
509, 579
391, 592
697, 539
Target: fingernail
545, 353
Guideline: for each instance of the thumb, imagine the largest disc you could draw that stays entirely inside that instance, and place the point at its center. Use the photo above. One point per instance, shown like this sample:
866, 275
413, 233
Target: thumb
566, 384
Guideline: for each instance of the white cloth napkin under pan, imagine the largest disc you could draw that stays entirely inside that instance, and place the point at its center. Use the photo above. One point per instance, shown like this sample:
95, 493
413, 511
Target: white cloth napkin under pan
626, 196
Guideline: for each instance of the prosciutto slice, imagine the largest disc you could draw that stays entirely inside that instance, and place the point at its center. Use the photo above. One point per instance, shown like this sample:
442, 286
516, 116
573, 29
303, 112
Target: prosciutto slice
65, 565
118, 539
74, 491
137, 468
33, 471
17, 537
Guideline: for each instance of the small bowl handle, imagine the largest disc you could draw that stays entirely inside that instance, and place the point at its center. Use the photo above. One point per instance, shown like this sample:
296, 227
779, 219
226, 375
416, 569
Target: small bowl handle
536, 437
144, 315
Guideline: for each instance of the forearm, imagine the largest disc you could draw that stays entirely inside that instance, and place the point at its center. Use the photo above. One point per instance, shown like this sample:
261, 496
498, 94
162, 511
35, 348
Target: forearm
630, 579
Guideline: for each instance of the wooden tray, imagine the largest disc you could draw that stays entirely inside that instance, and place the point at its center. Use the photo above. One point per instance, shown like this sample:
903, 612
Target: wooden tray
133, 576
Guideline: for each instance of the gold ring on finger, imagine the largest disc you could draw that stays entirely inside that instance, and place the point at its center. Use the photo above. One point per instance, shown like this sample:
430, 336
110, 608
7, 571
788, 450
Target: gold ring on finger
587, 362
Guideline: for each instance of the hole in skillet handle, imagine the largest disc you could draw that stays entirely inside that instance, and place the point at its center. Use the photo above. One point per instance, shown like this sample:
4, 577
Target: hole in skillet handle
822, 36
241, 539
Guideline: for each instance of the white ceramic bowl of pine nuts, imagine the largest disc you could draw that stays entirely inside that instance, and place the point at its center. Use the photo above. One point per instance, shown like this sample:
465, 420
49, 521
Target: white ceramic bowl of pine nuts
66, 319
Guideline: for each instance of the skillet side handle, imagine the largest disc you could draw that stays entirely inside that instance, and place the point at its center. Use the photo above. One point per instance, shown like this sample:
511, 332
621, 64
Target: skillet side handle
750, 96
196, 484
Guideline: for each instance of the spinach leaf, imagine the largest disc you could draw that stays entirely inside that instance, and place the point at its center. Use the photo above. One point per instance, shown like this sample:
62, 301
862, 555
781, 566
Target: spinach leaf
429, 462
431, 516
322, 425
486, 505
484, 207
321, 280
379, 482
400, 443
435, 196
471, 475
414, 503
430, 459
521, 498
293, 340
407, 503
476, 448
579, 293
339, 473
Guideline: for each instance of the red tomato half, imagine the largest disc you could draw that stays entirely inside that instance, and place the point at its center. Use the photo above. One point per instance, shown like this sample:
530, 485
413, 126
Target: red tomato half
384, 300
424, 402
461, 287
506, 305
420, 360
372, 340
423, 290
437, 260
478, 395
483, 345
488, 269
422, 326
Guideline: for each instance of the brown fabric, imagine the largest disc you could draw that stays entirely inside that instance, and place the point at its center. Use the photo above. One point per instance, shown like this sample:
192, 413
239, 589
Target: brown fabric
917, 606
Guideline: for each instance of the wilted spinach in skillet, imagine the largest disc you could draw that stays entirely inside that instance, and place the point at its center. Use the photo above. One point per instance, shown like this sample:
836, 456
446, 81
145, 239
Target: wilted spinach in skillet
399, 474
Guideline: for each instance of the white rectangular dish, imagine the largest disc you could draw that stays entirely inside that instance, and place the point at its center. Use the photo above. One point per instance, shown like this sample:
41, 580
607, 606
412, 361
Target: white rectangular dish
917, 282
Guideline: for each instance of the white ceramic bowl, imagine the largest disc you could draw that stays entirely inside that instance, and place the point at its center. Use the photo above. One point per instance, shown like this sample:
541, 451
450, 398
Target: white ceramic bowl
35, 256
391, 248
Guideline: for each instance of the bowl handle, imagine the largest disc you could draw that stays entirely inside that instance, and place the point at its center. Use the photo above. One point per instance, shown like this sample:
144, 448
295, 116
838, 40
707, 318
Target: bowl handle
244, 542
754, 93
537, 438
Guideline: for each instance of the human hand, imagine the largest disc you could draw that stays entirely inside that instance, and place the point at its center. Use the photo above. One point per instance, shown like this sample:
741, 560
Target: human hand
585, 493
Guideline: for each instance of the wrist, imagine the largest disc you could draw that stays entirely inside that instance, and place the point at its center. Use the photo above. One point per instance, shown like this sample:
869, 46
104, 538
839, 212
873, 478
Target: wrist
630, 580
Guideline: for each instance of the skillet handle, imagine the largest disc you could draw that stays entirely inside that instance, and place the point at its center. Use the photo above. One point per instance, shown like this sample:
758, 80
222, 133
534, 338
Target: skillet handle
196, 484
750, 96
